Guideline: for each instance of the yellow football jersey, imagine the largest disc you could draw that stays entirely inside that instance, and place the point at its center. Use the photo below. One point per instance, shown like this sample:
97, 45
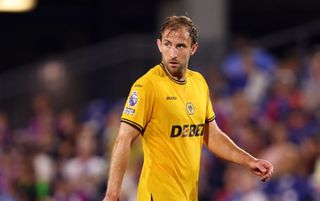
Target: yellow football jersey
170, 115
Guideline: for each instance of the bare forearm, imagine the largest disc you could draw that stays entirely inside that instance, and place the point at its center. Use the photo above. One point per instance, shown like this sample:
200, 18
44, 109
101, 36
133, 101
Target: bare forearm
222, 146
119, 162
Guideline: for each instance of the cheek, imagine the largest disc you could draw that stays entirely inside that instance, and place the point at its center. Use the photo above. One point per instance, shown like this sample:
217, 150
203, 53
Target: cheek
186, 55
165, 52
160, 49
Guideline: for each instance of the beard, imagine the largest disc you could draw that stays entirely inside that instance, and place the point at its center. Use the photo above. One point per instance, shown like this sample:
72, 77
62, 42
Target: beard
175, 68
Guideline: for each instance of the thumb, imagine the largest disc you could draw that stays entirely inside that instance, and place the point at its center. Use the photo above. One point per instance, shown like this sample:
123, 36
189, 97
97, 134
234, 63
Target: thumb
261, 167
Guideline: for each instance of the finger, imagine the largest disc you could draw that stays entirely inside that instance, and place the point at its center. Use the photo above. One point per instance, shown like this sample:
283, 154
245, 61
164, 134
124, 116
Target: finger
267, 167
269, 170
258, 172
266, 177
261, 168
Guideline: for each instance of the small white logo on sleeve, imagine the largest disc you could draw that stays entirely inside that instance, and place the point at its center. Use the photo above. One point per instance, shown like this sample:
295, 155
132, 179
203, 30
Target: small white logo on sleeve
128, 111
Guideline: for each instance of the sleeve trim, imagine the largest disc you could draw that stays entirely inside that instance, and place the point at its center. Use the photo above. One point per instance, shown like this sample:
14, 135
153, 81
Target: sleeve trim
211, 119
133, 124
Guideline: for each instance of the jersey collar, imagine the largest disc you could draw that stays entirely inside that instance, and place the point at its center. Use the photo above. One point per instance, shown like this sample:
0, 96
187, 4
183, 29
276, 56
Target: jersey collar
172, 78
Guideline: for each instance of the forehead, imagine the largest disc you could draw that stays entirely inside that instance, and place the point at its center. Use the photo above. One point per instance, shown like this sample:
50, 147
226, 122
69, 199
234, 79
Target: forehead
179, 34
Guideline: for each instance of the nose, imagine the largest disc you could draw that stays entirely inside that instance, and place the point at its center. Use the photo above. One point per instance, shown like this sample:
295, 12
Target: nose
173, 52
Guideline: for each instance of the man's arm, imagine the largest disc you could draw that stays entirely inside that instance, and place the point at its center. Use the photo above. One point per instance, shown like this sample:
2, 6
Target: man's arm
222, 146
119, 160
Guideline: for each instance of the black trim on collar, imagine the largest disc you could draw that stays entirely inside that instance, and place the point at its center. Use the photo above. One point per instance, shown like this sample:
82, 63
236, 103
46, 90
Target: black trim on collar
171, 78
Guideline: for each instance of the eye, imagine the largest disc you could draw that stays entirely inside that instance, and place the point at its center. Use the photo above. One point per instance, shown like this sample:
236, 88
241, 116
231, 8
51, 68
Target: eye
181, 46
167, 44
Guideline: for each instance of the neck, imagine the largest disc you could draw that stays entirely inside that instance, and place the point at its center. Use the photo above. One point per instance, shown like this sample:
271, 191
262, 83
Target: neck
179, 76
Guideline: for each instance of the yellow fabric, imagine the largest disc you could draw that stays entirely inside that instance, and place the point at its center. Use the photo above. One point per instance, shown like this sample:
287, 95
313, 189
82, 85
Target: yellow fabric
171, 117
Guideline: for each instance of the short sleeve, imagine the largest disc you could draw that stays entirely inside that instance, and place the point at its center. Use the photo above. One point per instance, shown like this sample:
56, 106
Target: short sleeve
210, 116
138, 107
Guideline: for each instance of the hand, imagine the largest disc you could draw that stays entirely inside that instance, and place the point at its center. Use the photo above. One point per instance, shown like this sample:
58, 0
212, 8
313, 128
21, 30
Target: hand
262, 168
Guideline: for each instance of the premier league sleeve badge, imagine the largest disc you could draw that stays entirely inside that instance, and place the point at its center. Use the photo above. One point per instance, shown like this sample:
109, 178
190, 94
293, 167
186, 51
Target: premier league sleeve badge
133, 99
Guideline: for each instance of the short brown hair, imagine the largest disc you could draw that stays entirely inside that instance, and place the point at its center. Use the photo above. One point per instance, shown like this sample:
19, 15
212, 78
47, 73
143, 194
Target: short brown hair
174, 22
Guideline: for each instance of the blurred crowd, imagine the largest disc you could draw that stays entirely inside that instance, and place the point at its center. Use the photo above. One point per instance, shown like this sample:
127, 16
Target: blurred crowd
269, 106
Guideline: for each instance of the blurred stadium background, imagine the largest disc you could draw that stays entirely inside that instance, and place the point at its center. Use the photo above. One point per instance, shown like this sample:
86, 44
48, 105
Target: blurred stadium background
66, 68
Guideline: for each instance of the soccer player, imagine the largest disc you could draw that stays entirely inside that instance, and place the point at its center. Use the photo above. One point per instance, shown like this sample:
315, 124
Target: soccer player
170, 109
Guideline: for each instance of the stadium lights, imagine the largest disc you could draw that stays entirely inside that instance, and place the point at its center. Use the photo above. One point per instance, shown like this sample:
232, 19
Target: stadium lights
17, 5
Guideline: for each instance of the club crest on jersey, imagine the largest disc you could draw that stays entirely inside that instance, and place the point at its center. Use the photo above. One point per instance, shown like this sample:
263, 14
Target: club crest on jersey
133, 99
190, 108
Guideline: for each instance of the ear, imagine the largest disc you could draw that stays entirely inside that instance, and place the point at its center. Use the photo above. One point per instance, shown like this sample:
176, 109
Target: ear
159, 45
194, 49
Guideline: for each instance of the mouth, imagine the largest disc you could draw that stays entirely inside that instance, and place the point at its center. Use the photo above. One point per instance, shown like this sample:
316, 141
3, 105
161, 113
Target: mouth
174, 63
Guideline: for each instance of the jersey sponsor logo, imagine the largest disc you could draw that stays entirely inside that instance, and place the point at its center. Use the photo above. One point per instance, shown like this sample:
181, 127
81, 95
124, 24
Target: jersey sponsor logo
129, 111
190, 108
171, 98
138, 85
192, 130
133, 99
